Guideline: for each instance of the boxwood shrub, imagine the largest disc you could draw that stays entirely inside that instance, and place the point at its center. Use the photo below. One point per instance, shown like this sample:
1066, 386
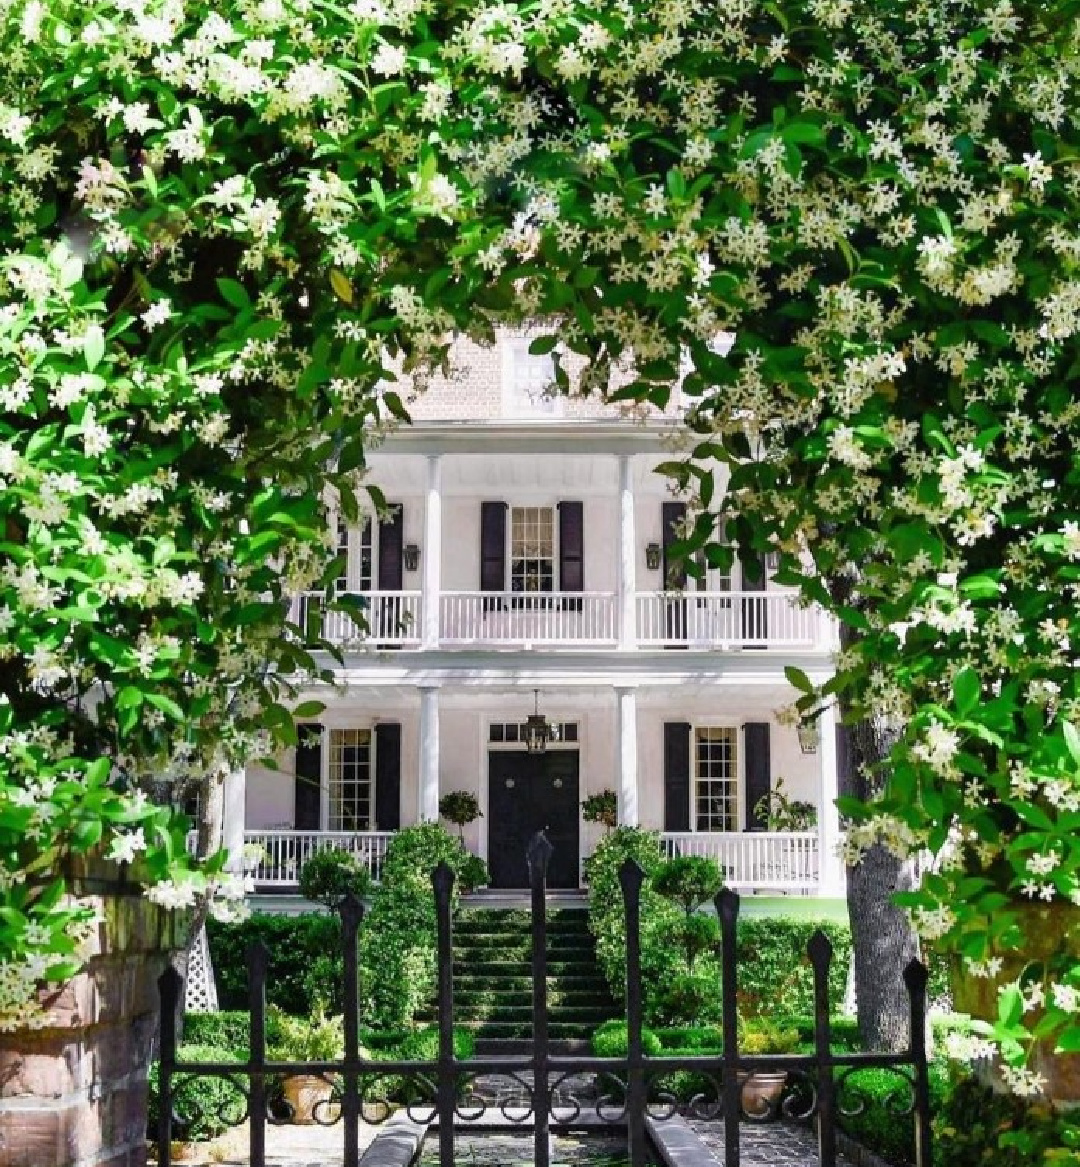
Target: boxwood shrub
229, 1029
879, 1126
209, 1106
774, 973
294, 944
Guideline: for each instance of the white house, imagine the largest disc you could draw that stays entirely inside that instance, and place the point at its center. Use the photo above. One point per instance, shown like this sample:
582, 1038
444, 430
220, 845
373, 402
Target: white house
525, 569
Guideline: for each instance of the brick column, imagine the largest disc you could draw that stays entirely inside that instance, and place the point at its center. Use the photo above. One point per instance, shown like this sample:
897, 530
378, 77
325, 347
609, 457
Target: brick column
74, 1093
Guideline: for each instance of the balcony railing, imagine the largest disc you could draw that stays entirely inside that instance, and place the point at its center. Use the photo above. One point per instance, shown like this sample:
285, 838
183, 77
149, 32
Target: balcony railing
585, 619
754, 860
285, 852
391, 618
725, 620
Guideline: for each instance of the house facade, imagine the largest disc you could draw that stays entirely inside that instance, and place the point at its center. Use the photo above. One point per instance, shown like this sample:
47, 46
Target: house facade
523, 568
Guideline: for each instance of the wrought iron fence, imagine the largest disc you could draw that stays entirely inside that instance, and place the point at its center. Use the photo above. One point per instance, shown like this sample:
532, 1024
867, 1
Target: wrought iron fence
440, 1091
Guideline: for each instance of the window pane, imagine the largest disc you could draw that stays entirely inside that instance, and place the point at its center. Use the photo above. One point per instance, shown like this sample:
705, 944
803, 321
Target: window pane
715, 779
350, 780
532, 549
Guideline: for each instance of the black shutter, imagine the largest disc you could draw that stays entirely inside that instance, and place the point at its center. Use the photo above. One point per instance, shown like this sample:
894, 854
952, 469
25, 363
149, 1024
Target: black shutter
572, 549
757, 769
673, 514
387, 776
308, 778
676, 776
391, 537
492, 547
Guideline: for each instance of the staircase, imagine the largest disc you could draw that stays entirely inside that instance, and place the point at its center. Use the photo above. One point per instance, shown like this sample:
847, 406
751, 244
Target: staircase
493, 979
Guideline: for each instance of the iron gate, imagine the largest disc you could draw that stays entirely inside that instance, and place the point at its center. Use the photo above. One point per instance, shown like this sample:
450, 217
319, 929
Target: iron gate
815, 1080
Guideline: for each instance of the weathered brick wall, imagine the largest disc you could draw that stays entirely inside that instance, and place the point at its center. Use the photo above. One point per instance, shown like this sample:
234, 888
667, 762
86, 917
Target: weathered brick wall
73, 1094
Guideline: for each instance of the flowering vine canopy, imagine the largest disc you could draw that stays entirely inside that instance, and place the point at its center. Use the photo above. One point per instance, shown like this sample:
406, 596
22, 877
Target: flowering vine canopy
230, 239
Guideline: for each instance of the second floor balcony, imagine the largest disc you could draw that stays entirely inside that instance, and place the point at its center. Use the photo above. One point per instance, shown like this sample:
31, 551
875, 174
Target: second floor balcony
702, 620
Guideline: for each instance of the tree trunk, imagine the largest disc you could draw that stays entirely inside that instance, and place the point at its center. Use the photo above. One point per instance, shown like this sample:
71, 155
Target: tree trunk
882, 940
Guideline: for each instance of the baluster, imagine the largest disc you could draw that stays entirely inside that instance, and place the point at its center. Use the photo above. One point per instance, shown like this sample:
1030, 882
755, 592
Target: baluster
727, 909
631, 877
352, 912
915, 977
820, 952
169, 985
538, 855
258, 958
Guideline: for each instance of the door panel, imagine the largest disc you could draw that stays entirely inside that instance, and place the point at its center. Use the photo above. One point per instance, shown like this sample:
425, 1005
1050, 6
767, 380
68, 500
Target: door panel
529, 793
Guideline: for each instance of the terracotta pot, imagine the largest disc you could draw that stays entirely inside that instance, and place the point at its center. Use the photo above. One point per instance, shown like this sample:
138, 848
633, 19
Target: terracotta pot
303, 1093
762, 1091
1050, 930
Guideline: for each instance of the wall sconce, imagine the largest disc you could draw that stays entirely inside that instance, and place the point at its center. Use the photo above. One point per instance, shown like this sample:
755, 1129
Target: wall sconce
653, 555
410, 556
809, 736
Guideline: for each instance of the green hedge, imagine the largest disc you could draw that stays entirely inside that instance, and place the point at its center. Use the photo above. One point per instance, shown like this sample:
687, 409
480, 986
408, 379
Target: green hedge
228, 1029
294, 944
878, 1126
398, 973
774, 973
211, 1104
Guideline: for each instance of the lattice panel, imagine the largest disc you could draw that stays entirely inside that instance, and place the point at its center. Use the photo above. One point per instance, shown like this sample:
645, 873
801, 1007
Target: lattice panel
200, 993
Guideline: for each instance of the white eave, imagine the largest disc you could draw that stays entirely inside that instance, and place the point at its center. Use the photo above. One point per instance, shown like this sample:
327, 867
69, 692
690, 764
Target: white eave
532, 436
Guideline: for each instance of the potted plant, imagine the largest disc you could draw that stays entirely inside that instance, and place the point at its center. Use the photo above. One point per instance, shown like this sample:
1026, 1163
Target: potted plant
318, 1038
782, 813
763, 1089
601, 808
460, 807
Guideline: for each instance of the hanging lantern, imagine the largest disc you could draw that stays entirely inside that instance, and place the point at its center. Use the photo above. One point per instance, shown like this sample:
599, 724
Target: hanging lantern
536, 730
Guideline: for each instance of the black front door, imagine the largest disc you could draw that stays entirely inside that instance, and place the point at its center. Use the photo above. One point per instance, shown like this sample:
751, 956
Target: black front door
529, 793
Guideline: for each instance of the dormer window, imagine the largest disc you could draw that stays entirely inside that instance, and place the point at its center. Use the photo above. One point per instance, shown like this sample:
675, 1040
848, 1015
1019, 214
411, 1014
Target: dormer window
528, 380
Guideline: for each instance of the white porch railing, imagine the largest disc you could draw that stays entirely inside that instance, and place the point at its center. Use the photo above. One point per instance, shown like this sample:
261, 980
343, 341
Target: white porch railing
285, 852
725, 620
754, 860
389, 618
526, 618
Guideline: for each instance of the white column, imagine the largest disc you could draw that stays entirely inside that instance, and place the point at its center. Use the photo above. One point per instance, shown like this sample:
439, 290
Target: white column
627, 558
232, 817
831, 870
427, 805
626, 730
432, 551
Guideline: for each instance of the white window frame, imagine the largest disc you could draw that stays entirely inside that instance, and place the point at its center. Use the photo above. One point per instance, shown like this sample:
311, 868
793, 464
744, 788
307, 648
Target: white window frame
736, 777
328, 777
556, 580
523, 373
559, 743
356, 537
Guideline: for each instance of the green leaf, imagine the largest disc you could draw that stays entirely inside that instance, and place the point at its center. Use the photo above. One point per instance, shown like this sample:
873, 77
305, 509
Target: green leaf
93, 346
966, 690
166, 704
1072, 741
233, 292
343, 288
798, 679
308, 709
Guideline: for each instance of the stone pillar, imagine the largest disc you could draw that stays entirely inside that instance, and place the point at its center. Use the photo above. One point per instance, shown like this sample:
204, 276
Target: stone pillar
431, 583
627, 558
626, 731
232, 820
74, 1092
428, 803
831, 880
